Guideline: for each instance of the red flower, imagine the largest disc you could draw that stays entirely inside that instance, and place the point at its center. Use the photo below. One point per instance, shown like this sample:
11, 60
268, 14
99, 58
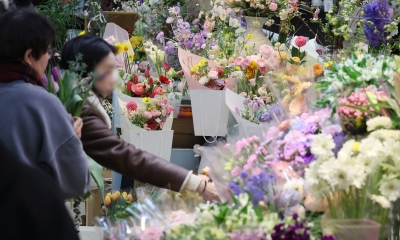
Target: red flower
164, 79
135, 79
129, 86
151, 81
166, 66
146, 73
220, 71
131, 105
152, 124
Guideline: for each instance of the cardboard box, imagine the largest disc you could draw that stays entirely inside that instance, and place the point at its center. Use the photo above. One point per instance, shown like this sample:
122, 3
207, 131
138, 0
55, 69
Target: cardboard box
107, 173
126, 20
184, 134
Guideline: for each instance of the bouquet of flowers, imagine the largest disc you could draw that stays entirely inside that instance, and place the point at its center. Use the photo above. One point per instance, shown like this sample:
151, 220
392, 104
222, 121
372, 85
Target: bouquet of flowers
256, 111
213, 78
151, 115
116, 203
125, 49
361, 179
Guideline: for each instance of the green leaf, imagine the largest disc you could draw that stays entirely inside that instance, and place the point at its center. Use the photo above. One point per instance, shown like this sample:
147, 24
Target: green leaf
96, 171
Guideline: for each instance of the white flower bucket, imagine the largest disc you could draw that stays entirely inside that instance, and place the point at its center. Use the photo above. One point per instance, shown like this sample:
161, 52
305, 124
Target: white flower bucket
158, 142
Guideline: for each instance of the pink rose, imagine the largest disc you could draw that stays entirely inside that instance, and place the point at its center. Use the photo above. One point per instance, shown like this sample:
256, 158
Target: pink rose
261, 62
213, 74
246, 62
252, 82
252, 159
239, 61
273, 6
300, 41
138, 89
157, 91
131, 106
266, 50
147, 115
235, 171
155, 113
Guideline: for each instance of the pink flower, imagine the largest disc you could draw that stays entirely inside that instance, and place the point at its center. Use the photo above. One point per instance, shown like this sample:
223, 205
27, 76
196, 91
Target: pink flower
261, 62
252, 158
256, 139
157, 91
256, 172
247, 167
304, 116
171, 108
272, 132
170, 20
155, 113
316, 13
266, 50
227, 146
246, 62
273, 6
300, 41
235, 171
131, 106
138, 89
153, 233
293, 135
332, 129
252, 82
213, 74
241, 144
147, 115
239, 61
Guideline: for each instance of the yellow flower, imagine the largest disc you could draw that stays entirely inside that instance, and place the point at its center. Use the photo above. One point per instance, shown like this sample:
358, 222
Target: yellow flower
326, 65
282, 56
136, 41
359, 121
81, 33
119, 48
296, 59
141, 49
124, 194
227, 36
356, 146
130, 199
202, 63
237, 68
246, 47
250, 36
131, 56
107, 200
249, 74
317, 69
253, 65
357, 53
114, 197
146, 100
149, 109
126, 46
194, 69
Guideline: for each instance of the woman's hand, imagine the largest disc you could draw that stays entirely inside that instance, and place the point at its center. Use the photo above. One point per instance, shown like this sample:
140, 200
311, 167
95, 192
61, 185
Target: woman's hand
78, 123
211, 193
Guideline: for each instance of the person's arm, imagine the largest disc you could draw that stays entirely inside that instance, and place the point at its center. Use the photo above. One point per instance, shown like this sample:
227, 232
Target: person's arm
110, 151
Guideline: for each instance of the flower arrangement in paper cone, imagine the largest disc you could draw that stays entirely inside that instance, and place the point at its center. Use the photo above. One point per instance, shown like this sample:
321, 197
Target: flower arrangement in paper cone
213, 78
151, 114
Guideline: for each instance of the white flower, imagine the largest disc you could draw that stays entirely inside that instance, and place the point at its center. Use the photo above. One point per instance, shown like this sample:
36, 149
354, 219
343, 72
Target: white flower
379, 122
311, 173
346, 151
381, 200
283, 15
340, 177
233, 22
391, 189
203, 80
322, 145
372, 147
295, 184
222, 15
243, 199
358, 175
369, 164
239, 31
319, 190
383, 134
209, 35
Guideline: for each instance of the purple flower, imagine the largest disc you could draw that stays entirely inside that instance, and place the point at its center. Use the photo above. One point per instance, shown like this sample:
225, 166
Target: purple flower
55, 72
328, 238
243, 175
160, 37
141, 1
196, 21
289, 198
265, 117
297, 230
175, 10
275, 110
376, 14
339, 138
244, 24
311, 128
169, 47
170, 20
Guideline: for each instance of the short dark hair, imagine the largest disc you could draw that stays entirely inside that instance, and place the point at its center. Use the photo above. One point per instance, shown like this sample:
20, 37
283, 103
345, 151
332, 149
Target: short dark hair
93, 50
21, 30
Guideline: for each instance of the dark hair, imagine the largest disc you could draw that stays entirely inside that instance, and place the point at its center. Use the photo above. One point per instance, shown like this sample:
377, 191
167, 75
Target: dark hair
93, 50
21, 30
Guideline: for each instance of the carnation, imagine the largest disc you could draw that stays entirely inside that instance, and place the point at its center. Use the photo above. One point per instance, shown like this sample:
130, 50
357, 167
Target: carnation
300, 41
131, 106
379, 122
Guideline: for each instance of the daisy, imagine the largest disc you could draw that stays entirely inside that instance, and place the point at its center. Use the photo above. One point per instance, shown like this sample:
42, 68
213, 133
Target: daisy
311, 173
383, 134
381, 200
340, 177
378, 123
391, 189
369, 164
358, 175
323, 145
346, 151
372, 147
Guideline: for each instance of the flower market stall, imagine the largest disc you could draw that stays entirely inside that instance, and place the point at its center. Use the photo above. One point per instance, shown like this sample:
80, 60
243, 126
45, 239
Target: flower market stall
305, 131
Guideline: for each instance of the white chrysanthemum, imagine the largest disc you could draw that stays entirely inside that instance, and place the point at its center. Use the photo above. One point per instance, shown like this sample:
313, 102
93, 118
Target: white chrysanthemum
372, 147
369, 164
326, 168
295, 184
340, 177
358, 175
320, 190
346, 151
391, 189
381, 200
383, 134
322, 145
311, 173
378, 123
